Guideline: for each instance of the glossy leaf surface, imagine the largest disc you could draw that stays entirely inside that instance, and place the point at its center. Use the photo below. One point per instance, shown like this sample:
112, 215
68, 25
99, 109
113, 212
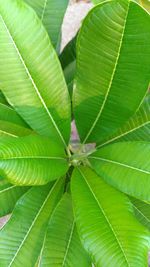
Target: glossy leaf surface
32, 160
9, 194
136, 129
126, 166
106, 224
110, 82
142, 211
32, 82
22, 237
11, 124
62, 246
51, 13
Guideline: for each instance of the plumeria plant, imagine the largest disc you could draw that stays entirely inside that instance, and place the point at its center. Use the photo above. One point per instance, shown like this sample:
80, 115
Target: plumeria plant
75, 203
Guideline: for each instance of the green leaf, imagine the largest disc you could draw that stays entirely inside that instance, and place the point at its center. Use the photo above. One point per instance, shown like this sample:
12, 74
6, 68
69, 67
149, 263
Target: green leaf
68, 62
9, 114
145, 4
126, 166
31, 75
95, 2
9, 194
68, 54
31, 160
51, 13
109, 74
69, 73
22, 237
136, 129
106, 223
13, 130
62, 246
142, 211
2, 98
11, 124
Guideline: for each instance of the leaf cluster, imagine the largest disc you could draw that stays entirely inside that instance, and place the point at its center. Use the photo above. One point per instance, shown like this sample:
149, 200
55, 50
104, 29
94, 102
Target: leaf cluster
83, 200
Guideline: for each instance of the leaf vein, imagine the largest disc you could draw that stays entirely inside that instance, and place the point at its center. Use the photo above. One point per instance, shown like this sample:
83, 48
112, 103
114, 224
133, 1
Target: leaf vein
111, 80
33, 83
111, 227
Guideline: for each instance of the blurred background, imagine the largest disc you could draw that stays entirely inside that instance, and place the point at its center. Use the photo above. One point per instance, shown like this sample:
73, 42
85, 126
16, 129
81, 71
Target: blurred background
76, 11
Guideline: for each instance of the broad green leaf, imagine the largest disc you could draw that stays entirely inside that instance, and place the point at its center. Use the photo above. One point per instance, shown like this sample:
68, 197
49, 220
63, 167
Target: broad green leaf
13, 130
62, 246
112, 66
9, 114
136, 129
51, 13
31, 160
11, 124
9, 194
126, 166
142, 211
106, 223
22, 237
30, 72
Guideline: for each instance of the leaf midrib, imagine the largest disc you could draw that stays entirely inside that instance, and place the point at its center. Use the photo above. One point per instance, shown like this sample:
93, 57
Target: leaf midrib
8, 188
7, 107
111, 80
33, 157
7, 133
44, 8
33, 83
69, 242
123, 134
44, 241
105, 216
32, 225
142, 214
120, 164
